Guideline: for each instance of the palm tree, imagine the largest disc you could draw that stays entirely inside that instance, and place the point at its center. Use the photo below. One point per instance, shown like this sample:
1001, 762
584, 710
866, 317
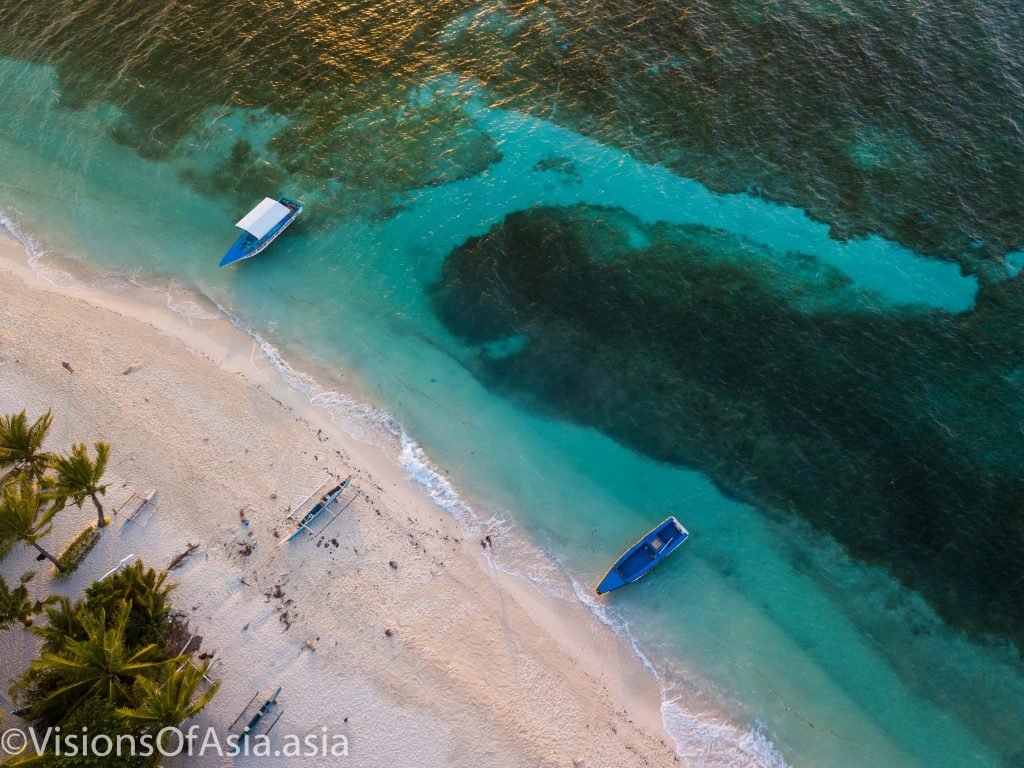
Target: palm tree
63, 623
78, 477
172, 698
16, 605
21, 445
145, 590
25, 518
102, 664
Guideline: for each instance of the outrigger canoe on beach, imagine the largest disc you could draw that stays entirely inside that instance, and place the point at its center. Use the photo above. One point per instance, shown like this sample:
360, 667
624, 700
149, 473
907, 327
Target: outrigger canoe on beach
326, 499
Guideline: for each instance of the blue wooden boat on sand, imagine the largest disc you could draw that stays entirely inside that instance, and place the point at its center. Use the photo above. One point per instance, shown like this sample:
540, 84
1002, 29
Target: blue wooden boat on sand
312, 514
261, 714
645, 555
260, 227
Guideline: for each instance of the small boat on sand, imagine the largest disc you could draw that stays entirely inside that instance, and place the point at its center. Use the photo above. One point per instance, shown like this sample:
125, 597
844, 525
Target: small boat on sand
643, 556
312, 514
259, 716
260, 227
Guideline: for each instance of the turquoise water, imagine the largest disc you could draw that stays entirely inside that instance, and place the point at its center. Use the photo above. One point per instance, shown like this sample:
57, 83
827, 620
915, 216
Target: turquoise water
773, 644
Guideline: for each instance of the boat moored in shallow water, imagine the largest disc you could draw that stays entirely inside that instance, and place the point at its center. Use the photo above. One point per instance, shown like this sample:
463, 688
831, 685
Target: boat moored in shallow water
644, 556
260, 227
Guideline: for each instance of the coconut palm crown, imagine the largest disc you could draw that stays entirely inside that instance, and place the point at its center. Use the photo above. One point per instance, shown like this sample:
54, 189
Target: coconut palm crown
171, 698
101, 664
25, 517
78, 477
63, 623
21, 445
15, 603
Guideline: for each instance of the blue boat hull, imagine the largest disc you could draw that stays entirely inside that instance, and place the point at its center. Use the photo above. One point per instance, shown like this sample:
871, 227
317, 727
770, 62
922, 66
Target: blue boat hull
644, 556
247, 246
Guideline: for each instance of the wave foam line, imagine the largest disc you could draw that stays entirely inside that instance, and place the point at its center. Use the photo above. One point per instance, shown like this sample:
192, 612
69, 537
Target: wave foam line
36, 252
703, 739
518, 557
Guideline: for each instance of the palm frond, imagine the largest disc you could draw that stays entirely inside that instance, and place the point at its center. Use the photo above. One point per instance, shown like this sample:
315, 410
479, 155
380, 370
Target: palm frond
15, 603
100, 663
21, 444
173, 697
63, 623
78, 476
24, 515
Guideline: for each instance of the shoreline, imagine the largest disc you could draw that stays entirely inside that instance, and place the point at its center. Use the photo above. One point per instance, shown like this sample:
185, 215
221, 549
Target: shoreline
600, 678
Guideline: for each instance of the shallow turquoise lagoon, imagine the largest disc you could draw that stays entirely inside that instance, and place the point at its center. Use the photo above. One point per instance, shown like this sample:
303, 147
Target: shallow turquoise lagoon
773, 647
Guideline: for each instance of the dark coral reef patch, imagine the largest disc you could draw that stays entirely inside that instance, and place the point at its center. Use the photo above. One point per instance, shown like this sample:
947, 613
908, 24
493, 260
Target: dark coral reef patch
897, 431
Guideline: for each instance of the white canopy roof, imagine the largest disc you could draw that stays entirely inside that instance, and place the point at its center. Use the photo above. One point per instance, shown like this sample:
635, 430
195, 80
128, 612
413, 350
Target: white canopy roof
264, 217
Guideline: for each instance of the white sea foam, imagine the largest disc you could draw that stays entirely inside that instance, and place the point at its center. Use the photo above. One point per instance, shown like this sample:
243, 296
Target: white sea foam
705, 739
507, 548
178, 298
190, 308
415, 462
37, 253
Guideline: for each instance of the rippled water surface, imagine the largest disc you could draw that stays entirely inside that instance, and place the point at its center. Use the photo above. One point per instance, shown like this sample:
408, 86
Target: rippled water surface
748, 263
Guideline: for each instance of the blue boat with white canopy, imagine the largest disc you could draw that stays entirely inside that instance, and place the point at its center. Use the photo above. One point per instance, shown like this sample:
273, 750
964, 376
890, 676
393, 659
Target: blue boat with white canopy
644, 556
260, 227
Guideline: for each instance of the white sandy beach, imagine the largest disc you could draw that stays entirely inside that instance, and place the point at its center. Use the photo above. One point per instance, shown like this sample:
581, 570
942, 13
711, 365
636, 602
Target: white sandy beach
480, 669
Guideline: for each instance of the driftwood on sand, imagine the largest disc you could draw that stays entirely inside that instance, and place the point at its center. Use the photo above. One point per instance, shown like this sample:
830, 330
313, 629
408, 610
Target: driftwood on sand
180, 558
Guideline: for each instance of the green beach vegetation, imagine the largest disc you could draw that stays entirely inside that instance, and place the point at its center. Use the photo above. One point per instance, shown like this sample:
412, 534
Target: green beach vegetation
77, 477
21, 446
26, 517
75, 552
16, 606
111, 662
37, 485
